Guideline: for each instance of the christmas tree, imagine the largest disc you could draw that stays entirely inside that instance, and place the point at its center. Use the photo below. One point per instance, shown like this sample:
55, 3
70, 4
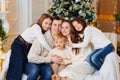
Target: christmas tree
68, 9
3, 34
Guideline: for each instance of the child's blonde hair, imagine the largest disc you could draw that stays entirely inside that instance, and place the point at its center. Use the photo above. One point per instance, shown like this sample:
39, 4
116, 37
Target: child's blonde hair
60, 36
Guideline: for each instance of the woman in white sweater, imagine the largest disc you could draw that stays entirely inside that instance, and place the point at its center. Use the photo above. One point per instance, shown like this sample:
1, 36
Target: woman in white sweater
22, 44
89, 34
79, 68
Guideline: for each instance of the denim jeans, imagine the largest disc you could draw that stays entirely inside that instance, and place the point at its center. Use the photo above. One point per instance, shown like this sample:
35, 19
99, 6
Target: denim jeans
18, 60
95, 58
43, 70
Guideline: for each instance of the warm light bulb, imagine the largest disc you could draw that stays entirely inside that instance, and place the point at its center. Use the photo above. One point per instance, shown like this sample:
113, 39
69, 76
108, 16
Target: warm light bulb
4, 6
7, 8
7, 1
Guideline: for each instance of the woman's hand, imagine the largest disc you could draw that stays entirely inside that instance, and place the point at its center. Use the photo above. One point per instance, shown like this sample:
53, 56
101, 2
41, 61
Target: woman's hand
70, 44
63, 63
56, 59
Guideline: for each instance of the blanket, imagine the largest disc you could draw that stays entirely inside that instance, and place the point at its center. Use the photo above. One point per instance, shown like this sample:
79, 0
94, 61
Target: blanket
109, 70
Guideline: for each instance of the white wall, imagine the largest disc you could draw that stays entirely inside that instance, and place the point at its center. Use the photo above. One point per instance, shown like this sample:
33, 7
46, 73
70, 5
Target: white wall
22, 14
39, 7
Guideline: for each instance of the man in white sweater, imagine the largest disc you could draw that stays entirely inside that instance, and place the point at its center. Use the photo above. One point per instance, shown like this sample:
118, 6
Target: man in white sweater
38, 60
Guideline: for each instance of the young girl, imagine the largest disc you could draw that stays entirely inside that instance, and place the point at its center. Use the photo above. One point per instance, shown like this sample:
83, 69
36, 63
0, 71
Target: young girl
60, 50
102, 45
22, 44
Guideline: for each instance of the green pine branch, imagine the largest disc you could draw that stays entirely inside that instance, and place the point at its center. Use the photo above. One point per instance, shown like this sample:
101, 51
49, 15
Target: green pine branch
68, 9
3, 35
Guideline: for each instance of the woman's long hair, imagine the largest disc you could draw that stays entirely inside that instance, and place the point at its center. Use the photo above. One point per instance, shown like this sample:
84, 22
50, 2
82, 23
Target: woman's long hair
42, 17
71, 30
72, 36
80, 21
77, 38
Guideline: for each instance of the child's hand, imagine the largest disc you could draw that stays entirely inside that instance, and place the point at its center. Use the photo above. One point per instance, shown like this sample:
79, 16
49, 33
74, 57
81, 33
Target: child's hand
69, 63
63, 63
56, 59
70, 44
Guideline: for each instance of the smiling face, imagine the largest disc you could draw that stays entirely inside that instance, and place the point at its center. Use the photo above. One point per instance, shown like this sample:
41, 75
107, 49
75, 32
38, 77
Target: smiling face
66, 29
77, 26
60, 43
56, 26
46, 24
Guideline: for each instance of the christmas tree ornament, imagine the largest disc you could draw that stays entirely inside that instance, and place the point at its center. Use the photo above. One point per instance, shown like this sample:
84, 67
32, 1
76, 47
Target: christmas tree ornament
73, 8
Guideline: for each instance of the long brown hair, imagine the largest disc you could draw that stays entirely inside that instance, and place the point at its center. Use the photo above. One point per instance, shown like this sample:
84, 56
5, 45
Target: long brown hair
77, 38
71, 30
42, 17
73, 37
80, 21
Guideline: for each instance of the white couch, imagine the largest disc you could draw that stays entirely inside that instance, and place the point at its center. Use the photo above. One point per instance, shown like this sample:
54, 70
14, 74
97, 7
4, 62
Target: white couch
111, 36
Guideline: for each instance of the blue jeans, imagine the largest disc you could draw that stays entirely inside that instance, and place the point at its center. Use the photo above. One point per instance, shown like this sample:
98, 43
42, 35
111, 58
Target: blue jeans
34, 70
95, 58
18, 59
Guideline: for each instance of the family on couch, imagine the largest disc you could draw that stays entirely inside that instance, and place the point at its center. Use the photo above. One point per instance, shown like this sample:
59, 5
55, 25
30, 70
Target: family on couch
30, 50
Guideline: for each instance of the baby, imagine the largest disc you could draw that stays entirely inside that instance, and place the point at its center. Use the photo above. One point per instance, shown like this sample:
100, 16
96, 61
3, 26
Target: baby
60, 50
